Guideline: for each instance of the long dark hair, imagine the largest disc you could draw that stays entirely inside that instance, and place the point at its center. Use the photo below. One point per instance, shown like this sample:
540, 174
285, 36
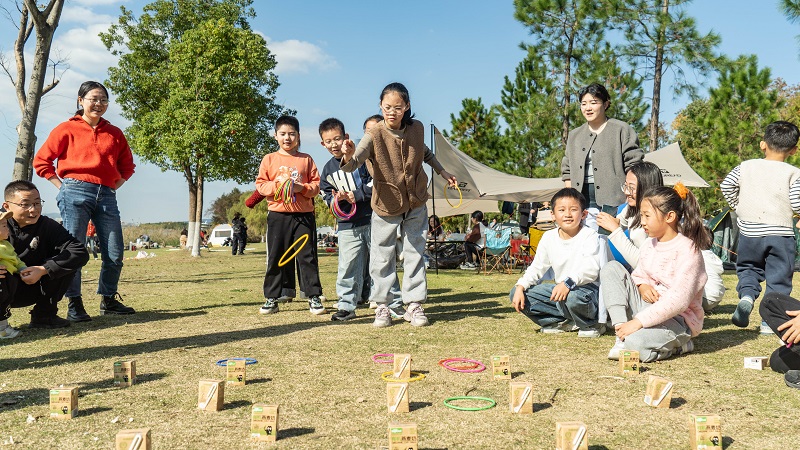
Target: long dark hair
684, 203
648, 176
478, 215
436, 229
85, 88
403, 93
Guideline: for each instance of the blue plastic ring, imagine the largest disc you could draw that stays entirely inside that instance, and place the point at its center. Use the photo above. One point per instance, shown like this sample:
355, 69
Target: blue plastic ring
248, 361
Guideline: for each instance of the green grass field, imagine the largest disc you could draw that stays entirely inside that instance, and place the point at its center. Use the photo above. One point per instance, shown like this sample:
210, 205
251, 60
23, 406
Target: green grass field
193, 312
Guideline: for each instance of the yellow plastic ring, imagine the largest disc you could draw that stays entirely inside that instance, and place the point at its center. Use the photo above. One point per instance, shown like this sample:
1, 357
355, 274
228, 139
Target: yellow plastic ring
415, 376
460, 196
284, 260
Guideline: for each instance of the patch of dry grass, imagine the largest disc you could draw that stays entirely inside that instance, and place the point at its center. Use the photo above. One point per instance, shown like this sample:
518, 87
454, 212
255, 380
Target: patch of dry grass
193, 312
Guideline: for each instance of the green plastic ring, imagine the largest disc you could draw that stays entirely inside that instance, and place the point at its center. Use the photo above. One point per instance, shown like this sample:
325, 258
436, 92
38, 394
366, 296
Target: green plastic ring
491, 404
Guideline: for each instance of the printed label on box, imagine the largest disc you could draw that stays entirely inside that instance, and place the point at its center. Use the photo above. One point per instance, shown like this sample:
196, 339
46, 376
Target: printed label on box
124, 373
659, 392
402, 436
629, 362
705, 432
236, 372
501, 367
211, 395
571, 436
264, 422
397, 397
401, 367
63, 402
521, 398
756, 362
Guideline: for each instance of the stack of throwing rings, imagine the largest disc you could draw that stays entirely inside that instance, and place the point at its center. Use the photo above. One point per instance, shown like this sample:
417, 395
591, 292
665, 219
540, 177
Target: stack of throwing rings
285, 191
464, 365
338, 213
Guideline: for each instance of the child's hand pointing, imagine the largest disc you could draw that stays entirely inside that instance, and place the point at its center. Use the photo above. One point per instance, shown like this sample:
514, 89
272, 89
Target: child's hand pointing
348, 149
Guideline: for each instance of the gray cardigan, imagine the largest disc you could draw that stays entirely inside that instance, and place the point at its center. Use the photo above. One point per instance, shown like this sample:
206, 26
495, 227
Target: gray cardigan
614, 150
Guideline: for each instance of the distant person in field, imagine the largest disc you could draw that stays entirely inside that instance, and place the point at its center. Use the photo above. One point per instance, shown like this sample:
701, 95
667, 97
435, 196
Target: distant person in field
91, 238
94, 161
765, 194
239, 234
51, 255
599, 152
184, 237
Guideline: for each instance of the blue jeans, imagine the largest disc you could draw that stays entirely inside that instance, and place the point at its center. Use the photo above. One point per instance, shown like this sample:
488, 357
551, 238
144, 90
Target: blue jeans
579, 307
353, 253
79, 202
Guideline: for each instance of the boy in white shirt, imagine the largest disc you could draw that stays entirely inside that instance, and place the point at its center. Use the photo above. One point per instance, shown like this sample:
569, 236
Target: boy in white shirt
573, 252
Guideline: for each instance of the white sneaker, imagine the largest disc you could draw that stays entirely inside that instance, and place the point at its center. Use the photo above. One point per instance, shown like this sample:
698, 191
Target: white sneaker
383, 317
592, 332
7, 331
315, 305
373, 305
686, 348
613, 354
560, 327
765, 329
416, 315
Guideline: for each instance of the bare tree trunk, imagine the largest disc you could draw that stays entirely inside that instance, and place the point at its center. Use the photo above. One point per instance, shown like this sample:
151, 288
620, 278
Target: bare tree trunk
198, 212
655, 109
45, 22
567, 81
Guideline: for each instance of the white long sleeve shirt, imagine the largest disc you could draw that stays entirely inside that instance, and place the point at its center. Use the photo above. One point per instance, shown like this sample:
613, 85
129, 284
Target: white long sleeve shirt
577, 258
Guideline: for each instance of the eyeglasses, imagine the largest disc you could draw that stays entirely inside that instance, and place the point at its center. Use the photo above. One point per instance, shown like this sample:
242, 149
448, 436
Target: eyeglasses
628, 189
97, 101
28, 206
397, 109
336, 140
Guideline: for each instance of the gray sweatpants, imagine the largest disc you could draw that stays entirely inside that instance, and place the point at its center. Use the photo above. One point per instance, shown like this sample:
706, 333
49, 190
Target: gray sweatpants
413, 228
623, 302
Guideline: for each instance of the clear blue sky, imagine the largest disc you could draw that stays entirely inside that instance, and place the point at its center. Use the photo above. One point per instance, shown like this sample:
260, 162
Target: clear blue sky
335, 57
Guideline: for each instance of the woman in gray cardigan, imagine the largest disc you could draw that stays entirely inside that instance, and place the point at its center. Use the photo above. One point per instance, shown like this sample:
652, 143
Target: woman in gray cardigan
599, 152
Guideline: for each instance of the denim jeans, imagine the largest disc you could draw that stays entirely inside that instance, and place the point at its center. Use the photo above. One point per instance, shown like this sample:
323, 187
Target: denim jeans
353, 253
579, 307
79, 202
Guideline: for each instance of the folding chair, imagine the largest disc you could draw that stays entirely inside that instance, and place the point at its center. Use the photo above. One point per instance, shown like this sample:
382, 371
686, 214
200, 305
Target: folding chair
528, 252
496, 254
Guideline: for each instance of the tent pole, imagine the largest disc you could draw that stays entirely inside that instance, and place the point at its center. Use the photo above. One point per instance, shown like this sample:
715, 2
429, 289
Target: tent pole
433, 197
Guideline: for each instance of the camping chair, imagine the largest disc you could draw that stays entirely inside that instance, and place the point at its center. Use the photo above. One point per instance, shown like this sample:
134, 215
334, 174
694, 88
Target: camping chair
528, 251
496, 254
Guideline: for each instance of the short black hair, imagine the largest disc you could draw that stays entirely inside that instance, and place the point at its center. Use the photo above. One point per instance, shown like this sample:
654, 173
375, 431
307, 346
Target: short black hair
19, 186
596, 90
781, 136
288, 120
375, 117
331, 124
570, 193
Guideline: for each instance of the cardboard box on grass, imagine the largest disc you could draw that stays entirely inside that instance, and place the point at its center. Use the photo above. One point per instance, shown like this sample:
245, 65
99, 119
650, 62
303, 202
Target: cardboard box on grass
125, 373
264, 422
520, 397
501, 367
629, 362
138, 439
756, 362
571, 436
64, 402
401, 367
402, 436
211, 395
397, 397
236, 372
658, 393
705, 432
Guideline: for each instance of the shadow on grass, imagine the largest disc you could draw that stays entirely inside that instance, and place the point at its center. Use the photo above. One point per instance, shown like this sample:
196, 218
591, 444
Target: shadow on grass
541, 406
259, 380
413, 406
727, 441
199, 278
114, 351
677, 402
598, 447
462, 309
41, 396
93, 410
517, 374
713, 341
295, 432
237, 404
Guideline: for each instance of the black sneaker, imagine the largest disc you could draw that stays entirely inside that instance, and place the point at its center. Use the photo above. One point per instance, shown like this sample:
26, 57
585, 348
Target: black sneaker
76, 311
792, 379
342, 315
48, 322
315, 305
111, 305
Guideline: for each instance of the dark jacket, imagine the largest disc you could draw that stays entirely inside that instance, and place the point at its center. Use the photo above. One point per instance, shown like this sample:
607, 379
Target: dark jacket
46, 243
362, 193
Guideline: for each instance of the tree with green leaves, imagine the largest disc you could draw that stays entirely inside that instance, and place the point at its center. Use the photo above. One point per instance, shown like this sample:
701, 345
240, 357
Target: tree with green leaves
725, 130
660, 37
199, 87
791, 8
219, 207
476, 132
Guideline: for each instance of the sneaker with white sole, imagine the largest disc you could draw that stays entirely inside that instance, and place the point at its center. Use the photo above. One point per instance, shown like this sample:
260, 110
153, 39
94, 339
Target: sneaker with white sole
342, 315
416, 315
373, 305
741, 317
7, 331
613, 354
270, 306
765, 329
397, 312
559, 327
688, 347
383, 317
592, 332
315, 306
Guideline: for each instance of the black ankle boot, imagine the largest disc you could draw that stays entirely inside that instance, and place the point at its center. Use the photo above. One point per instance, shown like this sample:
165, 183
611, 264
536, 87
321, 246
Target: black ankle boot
112, 305
76, 312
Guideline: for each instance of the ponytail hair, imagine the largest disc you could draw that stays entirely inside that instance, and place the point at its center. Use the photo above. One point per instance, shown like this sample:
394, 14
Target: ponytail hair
681, 200
85, 88
400, 90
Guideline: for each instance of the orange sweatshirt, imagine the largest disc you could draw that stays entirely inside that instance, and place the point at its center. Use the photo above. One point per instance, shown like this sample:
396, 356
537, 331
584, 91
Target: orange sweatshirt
300, 167
100, 155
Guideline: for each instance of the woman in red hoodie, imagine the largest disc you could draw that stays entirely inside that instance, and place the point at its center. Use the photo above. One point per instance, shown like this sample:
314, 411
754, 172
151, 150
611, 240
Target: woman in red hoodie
94, 160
